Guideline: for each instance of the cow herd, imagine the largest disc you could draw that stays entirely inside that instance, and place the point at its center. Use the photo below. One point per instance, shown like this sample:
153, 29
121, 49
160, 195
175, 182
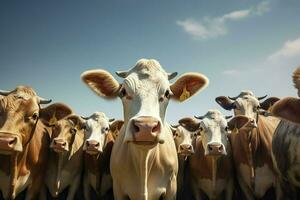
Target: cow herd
50, 152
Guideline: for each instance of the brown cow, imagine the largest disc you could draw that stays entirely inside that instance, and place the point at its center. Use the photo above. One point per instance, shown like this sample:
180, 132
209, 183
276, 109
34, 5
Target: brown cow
98, 142
252, 146
211, 166
24, 140
144, 161
66, 157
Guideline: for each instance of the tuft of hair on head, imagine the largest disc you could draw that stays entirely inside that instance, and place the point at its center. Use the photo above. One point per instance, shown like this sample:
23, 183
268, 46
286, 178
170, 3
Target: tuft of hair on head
296, 78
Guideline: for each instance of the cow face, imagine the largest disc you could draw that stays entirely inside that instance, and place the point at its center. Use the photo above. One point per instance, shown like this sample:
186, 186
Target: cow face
145, 94
97, 128
214, 129
184, 140
64, 133
246, 104
19, 113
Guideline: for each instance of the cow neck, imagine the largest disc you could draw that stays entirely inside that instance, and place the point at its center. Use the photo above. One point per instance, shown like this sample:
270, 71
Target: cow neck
214, 176
17, 158
251, 152
145, 158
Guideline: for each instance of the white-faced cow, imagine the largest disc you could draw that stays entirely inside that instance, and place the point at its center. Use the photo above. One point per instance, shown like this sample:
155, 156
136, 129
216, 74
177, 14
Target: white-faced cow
286, 142
24, 140
211, 166
66, 158
144, 160
252, 146
98, 142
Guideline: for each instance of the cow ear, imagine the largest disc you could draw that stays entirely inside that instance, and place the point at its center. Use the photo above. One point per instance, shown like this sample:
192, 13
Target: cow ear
189, 124
53, 113
77, 121
188, 85
116, 125
225, 102
238, 122
268, 103
102, 83
288, 109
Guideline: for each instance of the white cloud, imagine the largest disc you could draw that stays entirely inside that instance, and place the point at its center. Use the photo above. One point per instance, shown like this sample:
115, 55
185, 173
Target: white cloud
211, 27
289, 49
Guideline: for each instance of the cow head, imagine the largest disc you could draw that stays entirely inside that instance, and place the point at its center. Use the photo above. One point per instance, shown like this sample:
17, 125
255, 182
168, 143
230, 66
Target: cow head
98, 127
213, 128
145, 94
20, 111
184, 139
64, 133
246, 104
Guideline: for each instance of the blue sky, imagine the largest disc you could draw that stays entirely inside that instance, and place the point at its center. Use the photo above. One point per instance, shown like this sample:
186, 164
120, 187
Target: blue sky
237, 44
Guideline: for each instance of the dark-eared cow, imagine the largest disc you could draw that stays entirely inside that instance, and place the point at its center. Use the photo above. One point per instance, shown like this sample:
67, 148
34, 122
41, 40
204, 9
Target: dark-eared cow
286, 142
24, 140
98, 142
252, 146
65, 161
210, 162
144, 162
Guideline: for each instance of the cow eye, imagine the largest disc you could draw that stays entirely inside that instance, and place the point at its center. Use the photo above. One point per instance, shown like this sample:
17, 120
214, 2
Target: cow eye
35, 116
122, 93
73, 130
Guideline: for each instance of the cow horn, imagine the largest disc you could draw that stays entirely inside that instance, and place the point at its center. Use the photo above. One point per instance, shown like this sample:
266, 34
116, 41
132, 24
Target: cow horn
85, 118
122, 74
261, 98
233, 98
44, 101
172, 75
228, 117
4, 92
199, 117
175, 126
111, 119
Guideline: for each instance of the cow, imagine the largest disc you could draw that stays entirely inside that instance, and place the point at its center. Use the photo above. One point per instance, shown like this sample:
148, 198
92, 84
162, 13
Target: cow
286, 141
210, 166
144, 162
252, 146
66, 158
99, 138
24, 140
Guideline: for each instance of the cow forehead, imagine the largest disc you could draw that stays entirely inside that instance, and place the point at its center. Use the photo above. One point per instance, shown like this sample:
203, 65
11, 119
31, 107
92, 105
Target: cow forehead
214, 118
19, 103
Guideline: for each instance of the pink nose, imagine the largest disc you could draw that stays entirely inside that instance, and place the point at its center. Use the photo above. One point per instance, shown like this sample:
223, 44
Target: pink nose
146, 129
7, 143
59, 143
185, 148
92, 144
215, 149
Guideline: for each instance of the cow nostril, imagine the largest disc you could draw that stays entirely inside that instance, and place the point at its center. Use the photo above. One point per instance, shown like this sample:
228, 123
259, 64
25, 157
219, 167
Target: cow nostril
12, 141
155, 128
189, 147
220, 148
210, 148
64, 144
136, 128
97, 145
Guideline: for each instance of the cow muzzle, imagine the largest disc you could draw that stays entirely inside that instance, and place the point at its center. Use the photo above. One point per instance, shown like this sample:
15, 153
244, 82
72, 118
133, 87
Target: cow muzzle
59, 145
9, 143
92, 147
185, 149
215, 149
146, 130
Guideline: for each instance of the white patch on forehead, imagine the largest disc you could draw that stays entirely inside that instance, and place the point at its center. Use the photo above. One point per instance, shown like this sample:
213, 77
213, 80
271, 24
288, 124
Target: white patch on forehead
246, 92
